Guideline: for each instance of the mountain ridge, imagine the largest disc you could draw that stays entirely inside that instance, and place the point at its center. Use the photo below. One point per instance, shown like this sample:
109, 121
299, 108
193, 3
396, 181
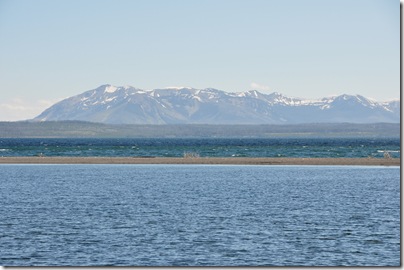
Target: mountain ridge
186, 105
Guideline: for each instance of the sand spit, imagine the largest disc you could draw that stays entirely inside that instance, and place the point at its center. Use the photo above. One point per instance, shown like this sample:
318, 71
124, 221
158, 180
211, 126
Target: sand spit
202, 160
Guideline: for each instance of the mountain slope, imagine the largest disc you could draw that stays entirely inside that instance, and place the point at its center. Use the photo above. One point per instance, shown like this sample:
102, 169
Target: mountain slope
129, 105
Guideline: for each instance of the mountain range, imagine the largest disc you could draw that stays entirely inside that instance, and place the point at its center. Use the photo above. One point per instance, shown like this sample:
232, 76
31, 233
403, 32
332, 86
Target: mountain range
184, 105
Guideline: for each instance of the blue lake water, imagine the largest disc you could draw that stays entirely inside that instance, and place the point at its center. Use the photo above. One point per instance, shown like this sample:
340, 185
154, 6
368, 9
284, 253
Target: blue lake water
197, 215
205, 147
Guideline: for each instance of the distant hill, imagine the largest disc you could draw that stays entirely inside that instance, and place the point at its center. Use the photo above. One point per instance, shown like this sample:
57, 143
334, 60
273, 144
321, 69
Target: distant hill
77, 129
129, 105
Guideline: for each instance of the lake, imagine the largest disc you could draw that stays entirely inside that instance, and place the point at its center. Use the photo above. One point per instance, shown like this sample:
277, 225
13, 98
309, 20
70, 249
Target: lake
199, 215
204, 147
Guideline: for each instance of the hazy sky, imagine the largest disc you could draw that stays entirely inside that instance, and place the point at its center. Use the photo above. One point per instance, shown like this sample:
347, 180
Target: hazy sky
51, 50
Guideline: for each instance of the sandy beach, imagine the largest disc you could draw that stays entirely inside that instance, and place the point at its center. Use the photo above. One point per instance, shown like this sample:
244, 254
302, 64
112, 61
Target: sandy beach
202, 160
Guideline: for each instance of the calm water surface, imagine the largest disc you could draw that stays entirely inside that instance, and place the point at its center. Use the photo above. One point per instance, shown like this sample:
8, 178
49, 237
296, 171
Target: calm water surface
164, 215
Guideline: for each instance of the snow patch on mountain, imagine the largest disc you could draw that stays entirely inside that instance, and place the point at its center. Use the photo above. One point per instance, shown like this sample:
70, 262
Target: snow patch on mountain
110, 89
177, 87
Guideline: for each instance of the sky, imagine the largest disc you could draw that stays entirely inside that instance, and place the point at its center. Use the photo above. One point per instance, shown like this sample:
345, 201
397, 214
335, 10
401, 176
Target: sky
54, 49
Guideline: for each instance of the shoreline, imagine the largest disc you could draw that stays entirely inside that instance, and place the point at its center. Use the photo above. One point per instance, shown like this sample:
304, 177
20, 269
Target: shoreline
203, 160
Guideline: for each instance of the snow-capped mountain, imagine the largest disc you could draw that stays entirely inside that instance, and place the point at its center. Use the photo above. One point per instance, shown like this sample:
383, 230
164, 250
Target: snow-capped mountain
185, 105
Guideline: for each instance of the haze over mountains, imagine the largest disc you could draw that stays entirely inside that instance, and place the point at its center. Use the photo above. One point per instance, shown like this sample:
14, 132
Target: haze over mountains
183, 105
